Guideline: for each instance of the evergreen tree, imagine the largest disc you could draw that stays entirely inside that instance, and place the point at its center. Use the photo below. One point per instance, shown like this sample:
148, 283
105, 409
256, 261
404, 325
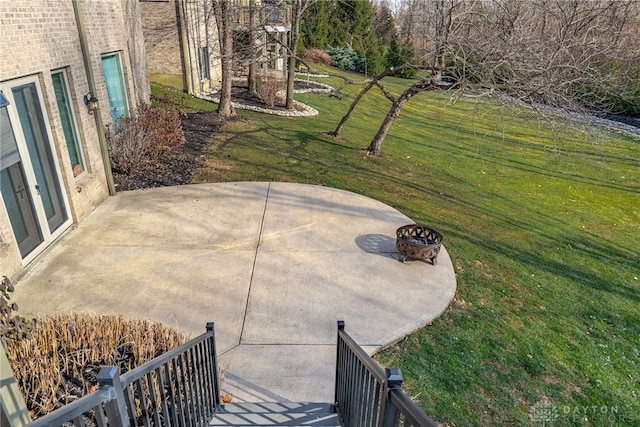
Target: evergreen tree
384, 25
350, 23
373, 55
399, 55
343, 24
393, 57
315, 25
338, 24
361, 15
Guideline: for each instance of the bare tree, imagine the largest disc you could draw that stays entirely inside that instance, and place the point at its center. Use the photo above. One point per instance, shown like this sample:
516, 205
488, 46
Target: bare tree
297, 9
375, 81
248, 41
555, 53
258, 25
252, 74
223, 12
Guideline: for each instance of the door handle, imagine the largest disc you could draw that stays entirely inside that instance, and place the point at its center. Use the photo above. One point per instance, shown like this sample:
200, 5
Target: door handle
19, 191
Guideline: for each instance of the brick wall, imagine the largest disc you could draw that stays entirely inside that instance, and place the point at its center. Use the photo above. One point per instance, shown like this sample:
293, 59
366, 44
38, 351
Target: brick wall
173, 35
162, 38
39, 36
107, 26
137, 51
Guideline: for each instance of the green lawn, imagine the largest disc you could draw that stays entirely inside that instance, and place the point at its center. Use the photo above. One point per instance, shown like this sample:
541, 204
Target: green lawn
542, 222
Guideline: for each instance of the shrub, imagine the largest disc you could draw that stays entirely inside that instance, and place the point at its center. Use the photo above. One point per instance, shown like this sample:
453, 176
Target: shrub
316, 56
268, 90
139, 138
615, 89
401, 55
12, 326
346, 58
59, 362
128, 147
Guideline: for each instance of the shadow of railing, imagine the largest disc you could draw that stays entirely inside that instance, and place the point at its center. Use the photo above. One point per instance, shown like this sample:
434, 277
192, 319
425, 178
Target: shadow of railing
277, 414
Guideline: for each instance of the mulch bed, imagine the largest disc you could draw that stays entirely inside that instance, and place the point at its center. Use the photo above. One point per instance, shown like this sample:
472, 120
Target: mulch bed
176, 166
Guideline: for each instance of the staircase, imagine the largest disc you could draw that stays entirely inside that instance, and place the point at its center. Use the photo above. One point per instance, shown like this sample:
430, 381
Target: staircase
276, 414
181, 388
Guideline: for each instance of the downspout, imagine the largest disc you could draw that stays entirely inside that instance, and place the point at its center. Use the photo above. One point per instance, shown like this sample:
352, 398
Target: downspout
186, 52
86, 56
207, 17
197, 43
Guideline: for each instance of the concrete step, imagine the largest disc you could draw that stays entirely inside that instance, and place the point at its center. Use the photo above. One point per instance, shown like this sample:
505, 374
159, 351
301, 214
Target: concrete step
277, 414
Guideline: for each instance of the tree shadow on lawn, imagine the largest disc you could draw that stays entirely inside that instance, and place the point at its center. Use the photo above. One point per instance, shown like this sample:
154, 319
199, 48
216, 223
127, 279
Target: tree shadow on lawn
581, 247
470, 152
504, 213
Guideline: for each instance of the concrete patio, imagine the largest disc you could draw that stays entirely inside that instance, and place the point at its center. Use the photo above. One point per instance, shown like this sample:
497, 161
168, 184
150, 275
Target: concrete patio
274, 265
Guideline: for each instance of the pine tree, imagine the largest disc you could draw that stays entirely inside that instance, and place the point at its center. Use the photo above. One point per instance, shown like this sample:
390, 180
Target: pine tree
400, 55
384, 25
315, 25
345, 24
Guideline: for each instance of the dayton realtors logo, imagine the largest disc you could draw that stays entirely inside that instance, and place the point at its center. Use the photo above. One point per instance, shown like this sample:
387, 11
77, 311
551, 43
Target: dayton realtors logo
544, 413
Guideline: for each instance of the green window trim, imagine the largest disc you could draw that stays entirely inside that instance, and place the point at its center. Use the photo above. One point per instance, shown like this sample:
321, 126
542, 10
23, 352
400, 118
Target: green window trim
116, 91
65, 109
203, 63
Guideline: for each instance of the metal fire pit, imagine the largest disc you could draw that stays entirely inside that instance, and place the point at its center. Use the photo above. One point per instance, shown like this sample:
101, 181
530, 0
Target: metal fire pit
418, 241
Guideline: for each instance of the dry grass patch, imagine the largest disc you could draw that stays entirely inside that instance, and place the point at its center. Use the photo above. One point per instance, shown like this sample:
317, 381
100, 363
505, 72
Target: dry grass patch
59, 363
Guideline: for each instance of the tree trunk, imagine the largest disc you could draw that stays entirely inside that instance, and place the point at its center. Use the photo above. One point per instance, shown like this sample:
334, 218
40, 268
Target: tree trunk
225, 32
344, 119
291, 76
362, 93
251, 78
394, 112
296, 10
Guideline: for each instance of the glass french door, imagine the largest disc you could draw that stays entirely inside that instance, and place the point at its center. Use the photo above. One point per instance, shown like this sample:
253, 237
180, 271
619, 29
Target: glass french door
15, 191
29, 174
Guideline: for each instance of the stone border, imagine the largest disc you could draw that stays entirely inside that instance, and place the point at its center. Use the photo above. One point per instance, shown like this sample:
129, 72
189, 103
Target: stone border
620, 127
301, 110
323, 88
313, 75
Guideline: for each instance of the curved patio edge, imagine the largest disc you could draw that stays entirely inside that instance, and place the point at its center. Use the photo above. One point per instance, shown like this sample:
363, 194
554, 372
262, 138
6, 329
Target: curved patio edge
275, 265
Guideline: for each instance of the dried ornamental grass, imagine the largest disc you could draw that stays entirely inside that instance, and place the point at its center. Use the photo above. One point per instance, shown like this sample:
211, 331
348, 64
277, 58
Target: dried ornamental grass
59, 363
316, 56
268, 91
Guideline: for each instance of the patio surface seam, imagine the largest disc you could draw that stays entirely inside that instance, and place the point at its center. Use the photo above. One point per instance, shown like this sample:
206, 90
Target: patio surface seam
188, 255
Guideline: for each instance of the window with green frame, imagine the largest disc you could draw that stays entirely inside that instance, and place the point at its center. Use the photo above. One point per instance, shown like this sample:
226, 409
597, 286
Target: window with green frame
68, 122
203, 63
118, 103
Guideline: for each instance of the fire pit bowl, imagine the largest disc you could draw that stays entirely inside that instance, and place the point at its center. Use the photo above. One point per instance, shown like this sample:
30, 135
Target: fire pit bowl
418, 241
